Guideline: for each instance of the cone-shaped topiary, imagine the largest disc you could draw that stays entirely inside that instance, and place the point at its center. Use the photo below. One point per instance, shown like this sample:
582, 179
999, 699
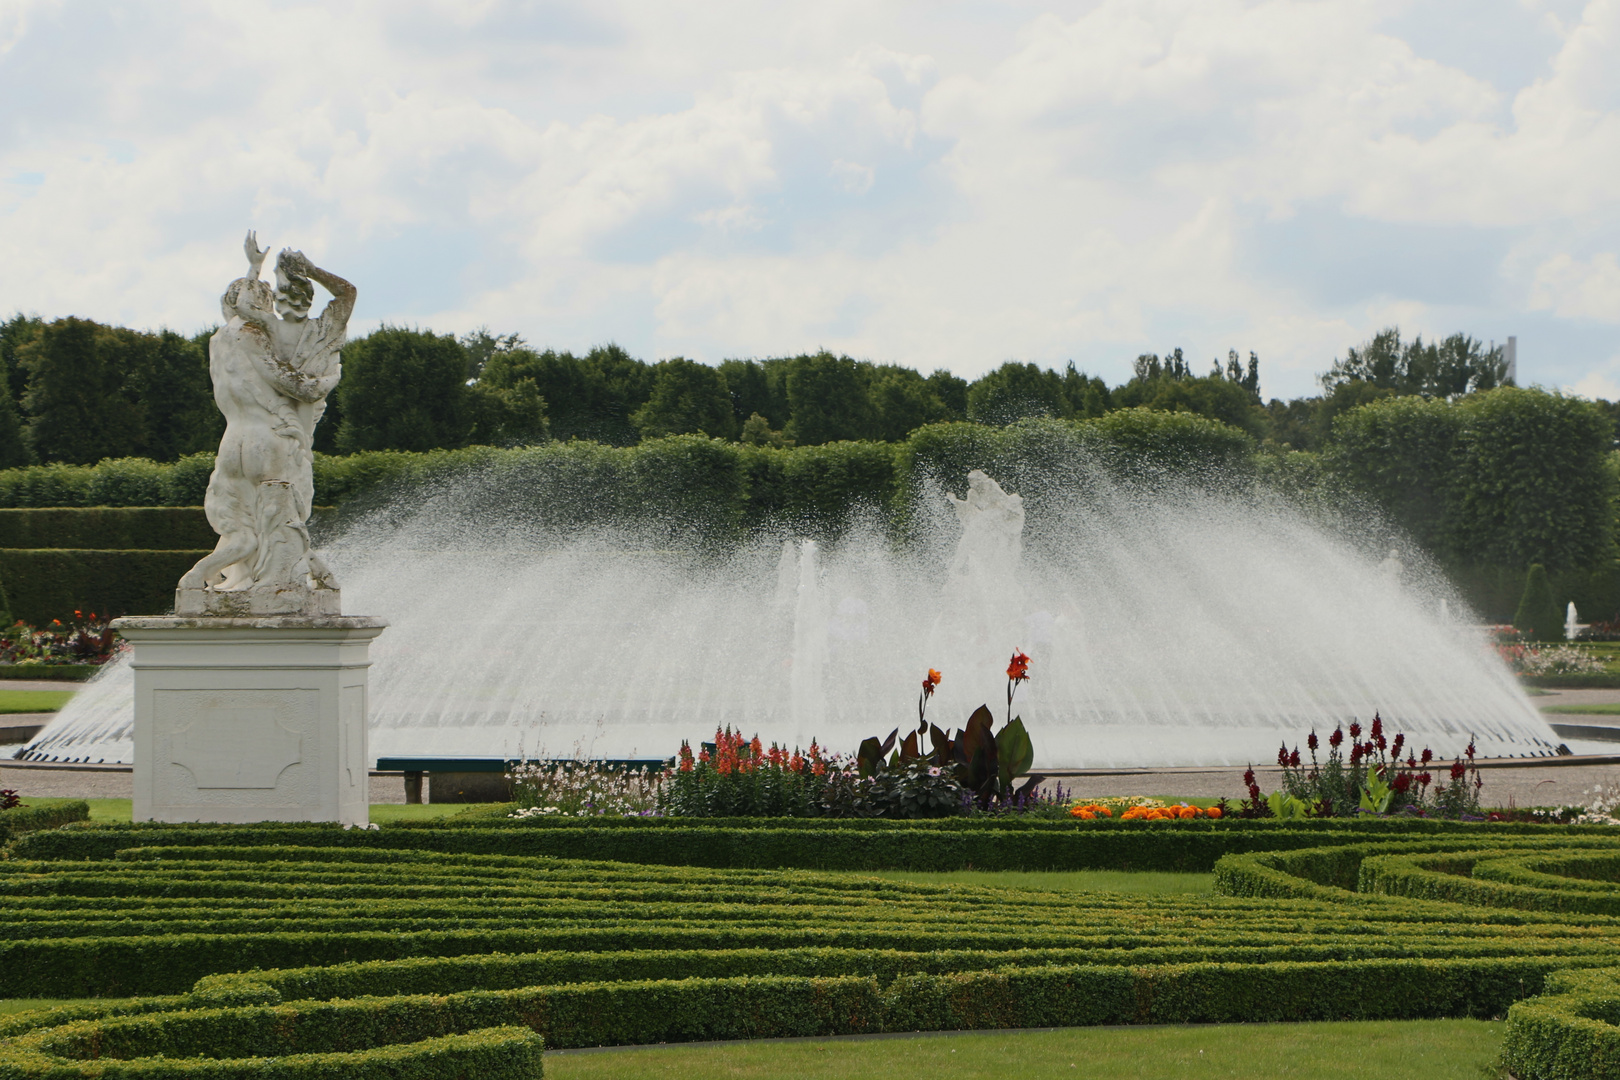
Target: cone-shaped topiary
1538, 617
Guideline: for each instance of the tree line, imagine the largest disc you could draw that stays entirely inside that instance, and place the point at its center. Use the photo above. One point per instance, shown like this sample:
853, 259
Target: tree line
77, 392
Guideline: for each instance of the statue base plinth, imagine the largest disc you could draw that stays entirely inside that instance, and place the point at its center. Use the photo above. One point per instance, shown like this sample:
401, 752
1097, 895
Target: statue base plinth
260, 600
251, 719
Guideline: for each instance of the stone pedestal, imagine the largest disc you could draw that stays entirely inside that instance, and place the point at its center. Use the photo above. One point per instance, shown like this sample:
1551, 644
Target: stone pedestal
251, 719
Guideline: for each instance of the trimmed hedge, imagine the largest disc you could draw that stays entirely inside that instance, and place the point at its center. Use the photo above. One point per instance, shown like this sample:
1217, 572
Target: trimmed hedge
157, 919
24, 819
52, 672
304, 1041
1499, 878
158, 528
813, 844
53, 583
1570, 1032
692, 479
1431, 869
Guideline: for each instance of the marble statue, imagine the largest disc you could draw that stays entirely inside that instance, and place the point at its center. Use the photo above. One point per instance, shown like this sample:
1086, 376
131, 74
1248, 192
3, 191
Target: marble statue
272, 367
992, 530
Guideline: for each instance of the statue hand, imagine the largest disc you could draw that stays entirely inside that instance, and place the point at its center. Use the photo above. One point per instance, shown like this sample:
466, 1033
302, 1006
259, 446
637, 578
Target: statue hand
255, 257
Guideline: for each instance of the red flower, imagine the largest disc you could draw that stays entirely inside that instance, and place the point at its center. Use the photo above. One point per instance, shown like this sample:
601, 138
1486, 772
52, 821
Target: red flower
1401, 782
1427, 756
1293, 758
1018, 667
1355, 753
1310, 742
1248, 777
1377, 729
1458, 769
930, 681
1425, 779
1395, 747
1355, 730
1282, 755
1470, 750
1336, 738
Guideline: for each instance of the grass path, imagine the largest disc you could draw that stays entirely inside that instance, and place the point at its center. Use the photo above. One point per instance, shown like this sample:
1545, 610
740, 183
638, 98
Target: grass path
1349, 1050
33, 701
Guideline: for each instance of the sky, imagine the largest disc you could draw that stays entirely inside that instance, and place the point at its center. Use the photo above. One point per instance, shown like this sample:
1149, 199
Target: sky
944, 184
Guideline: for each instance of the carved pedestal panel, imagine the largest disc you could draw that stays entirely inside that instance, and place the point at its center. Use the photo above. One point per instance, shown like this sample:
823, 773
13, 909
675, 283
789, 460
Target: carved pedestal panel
251, 719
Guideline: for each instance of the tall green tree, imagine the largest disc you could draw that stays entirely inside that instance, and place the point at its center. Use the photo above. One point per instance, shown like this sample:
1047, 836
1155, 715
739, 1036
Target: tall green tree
1017, 391
589, 397
1449, 368
16, 332
750, 389
167, 375
14, 448
404, 390
687, 398
76, 407
827, 395
903, 401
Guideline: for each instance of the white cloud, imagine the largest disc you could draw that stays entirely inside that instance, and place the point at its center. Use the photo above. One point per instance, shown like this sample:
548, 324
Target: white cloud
949, 188
1579, 289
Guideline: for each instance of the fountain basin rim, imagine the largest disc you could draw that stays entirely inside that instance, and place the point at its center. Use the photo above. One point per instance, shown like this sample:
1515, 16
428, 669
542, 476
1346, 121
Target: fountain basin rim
268, 622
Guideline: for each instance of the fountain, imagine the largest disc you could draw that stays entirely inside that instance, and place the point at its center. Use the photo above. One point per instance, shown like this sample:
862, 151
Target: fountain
1173, 624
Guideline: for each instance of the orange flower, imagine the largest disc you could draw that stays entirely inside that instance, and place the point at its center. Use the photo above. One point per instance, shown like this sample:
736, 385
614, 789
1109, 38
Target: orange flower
1018, 667
1187, 812
1213, 811
930, 681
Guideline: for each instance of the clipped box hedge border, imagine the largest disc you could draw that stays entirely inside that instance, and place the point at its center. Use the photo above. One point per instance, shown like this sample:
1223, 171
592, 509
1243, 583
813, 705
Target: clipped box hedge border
25, 819
810, 844
1568, 1033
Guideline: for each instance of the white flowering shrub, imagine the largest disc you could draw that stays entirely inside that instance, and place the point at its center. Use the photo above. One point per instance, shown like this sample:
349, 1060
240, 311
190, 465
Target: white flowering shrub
583, 789
1600, 806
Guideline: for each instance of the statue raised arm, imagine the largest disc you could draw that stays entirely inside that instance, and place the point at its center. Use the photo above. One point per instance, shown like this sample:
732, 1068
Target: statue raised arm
272, 368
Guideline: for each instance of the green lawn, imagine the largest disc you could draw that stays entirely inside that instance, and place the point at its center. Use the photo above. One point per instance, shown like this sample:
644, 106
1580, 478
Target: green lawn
16, 701
1057, 880
1611, 709
1351, 1050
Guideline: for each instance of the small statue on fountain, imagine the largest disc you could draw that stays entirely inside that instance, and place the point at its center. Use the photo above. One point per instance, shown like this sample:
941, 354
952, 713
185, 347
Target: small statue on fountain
272, 368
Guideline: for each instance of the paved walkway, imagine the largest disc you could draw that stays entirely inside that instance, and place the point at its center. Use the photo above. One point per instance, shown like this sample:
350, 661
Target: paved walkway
65, 782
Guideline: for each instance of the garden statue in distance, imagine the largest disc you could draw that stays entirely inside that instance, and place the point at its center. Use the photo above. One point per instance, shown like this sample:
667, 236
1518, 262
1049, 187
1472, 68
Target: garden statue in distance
272, 367
987, 555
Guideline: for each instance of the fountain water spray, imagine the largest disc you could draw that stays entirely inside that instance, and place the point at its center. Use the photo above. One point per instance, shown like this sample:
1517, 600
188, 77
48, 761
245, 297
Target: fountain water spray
1171, 626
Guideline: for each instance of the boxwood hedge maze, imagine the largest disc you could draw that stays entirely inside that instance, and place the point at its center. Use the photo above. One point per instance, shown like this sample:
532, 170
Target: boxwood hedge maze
293, 951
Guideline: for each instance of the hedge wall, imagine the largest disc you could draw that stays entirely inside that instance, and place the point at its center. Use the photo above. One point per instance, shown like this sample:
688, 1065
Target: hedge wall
158, 528
1160, 846
51, 583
